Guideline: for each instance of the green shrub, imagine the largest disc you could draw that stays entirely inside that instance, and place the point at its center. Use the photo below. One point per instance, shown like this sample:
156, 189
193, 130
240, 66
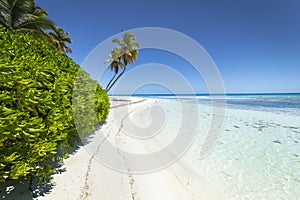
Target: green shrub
36, 112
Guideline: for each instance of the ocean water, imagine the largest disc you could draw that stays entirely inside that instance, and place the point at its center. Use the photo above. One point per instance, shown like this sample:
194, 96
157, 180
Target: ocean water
257, 155
280, 103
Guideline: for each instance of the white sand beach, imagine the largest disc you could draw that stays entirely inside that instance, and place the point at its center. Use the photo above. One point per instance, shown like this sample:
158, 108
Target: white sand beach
85, 177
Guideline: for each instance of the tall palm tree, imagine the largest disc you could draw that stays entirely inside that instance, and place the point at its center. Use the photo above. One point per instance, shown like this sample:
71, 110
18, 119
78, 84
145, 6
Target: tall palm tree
25, 16
11, 10
122, 56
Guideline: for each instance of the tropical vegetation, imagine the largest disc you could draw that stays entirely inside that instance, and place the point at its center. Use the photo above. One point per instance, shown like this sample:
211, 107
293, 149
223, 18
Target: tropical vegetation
26, 16
121, 56
47, 102
36, 105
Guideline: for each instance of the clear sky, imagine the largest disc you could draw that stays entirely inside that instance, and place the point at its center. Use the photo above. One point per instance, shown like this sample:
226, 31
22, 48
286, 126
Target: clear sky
254, 43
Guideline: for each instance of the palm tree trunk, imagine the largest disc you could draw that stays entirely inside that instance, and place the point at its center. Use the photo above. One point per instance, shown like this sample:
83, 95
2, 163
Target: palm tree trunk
110, 82
116, 79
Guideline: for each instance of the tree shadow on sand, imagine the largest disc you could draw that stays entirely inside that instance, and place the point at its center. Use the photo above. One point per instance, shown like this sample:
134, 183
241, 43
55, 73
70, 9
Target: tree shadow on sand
30, 189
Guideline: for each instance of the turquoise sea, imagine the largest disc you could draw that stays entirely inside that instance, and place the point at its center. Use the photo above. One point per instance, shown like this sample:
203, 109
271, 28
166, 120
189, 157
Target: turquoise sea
257, 155
285, 102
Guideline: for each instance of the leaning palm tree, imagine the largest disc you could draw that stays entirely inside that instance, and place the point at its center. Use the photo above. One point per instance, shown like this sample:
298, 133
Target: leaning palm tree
115, 64
122, 56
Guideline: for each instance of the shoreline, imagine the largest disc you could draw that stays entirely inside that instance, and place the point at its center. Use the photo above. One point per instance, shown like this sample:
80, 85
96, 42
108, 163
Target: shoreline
86, 178
251, 140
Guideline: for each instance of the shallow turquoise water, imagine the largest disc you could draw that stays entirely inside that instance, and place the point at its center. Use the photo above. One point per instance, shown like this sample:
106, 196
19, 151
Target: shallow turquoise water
257, 155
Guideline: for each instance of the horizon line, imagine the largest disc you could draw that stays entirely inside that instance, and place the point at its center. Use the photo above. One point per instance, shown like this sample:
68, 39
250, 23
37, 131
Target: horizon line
207, 94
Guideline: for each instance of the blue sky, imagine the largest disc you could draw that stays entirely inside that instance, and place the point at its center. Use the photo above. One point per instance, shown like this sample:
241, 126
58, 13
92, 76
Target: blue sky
254, 43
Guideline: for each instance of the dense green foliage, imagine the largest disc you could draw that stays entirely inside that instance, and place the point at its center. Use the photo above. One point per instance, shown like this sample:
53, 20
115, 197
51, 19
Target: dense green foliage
36, 112
26, 16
